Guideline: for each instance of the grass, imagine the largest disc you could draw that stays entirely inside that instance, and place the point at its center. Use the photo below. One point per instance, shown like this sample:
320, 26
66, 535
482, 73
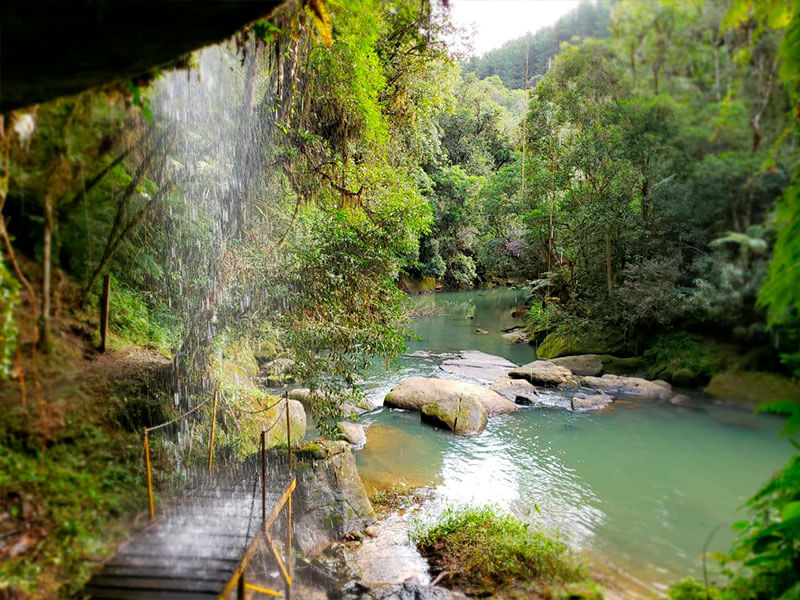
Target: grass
399, 496
486, 552
63, 506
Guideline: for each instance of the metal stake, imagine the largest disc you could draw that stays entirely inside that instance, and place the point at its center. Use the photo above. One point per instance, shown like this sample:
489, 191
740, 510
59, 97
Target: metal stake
149, 478
213, 427
263, 476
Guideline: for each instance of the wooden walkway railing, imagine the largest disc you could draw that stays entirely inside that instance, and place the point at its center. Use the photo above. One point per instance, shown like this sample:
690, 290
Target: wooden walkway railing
200, 546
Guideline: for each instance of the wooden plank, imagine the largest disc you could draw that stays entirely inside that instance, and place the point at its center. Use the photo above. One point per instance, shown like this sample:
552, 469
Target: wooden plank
118, 594
154, 583
167, 572
179, 563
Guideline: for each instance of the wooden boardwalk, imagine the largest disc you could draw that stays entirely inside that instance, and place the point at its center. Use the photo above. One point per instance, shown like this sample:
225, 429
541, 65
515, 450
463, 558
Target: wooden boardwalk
199, 547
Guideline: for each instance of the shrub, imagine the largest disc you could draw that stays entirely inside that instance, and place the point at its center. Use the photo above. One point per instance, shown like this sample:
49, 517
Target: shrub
483, 550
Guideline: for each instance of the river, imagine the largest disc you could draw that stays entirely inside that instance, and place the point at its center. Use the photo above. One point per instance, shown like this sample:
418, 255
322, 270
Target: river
637, 489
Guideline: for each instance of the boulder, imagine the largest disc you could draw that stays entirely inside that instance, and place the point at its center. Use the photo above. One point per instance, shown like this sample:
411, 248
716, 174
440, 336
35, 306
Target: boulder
276, 435
634, 386
476, 365
543, 372
458, 414
350, 407
353, 433
417, 392
583, 364
590, 402
519, 391
330, 500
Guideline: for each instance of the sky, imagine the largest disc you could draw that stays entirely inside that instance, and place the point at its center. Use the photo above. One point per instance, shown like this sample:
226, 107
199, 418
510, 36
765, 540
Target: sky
497, 21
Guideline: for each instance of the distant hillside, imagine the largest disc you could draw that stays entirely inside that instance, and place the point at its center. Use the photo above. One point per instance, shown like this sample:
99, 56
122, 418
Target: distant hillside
589, 19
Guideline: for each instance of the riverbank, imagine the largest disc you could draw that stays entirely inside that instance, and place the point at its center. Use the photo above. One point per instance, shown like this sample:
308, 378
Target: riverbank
639, 486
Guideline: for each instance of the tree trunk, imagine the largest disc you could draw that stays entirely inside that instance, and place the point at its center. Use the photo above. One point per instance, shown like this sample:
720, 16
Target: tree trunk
45, 336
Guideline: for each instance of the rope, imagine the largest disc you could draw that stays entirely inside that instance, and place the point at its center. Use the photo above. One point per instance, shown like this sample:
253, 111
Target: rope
261, 410
176, 419
278, 418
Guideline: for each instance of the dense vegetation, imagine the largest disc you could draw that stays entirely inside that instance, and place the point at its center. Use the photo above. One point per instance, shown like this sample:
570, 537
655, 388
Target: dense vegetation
263, 205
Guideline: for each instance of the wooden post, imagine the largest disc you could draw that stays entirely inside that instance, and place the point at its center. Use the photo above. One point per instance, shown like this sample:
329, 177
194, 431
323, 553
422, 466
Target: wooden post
213, 427
104, 312
150, 504
263, 476
241, 588
289, 550
289, 436
289, 553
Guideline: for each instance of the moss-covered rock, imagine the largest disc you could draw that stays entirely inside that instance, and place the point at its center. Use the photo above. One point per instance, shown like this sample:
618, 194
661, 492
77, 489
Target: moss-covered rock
688, 360
277, 434
423, 285
621, 365
459, 415
331, 500
578, 340
583, 364
751, 388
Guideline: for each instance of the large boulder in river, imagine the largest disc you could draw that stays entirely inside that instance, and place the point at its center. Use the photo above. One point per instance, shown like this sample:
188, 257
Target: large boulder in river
519, 391
458, 414
543, 372
583, 364
634, 386
416, 392
478, 366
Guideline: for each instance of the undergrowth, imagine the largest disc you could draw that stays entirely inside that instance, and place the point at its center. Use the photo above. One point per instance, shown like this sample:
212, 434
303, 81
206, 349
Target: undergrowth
487, 552
63, 506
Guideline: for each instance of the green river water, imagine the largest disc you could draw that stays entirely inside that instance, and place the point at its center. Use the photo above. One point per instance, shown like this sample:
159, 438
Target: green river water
638, 488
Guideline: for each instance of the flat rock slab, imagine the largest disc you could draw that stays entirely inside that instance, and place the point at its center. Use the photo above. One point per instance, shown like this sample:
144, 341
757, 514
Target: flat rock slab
634, 386
458, 414
544, 372
415, 393
478, 366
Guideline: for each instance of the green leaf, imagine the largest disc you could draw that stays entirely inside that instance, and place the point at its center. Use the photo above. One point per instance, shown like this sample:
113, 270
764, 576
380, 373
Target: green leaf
791, 511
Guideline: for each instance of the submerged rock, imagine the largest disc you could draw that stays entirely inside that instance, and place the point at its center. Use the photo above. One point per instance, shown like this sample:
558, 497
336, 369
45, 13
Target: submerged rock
416, 392
582, 401
516, 335
353, 433
519, 391
583, 364
635, 386
543, 372
476, 365
458, 414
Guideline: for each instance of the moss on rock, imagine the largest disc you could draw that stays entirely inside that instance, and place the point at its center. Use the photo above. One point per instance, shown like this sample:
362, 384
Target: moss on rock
751, 388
